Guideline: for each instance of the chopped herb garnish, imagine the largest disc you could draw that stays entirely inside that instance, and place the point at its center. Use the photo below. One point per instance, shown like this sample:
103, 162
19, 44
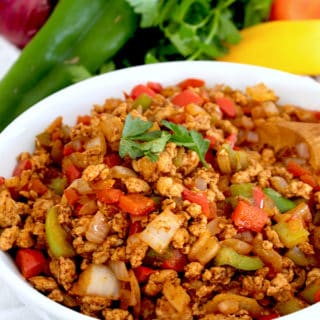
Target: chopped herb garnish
192, 139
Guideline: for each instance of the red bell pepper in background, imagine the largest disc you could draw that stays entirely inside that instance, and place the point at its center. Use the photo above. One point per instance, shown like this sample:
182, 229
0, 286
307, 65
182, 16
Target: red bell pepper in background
109, 196
269, 316
31, 262
22, 165
246, 216
178, 118
139, 89
317, 296
142, 273
186, 97
191, 82
174, 259
199, 198
136, 204
227, 106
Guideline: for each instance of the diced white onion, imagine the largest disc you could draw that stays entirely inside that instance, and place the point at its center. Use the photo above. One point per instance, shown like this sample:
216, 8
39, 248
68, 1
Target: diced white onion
252, 137
98, 228
97, 142
201, 184
98, 280
121, 172
81, 185
135, 296
160, 231
303, 150
205, 248
120, 270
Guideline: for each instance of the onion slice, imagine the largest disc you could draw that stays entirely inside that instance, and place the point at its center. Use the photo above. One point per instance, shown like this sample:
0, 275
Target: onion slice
160, 231
98, 280
98, 228
120, 270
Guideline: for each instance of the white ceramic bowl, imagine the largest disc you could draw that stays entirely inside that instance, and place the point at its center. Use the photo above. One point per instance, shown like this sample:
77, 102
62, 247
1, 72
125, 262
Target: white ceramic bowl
79, 98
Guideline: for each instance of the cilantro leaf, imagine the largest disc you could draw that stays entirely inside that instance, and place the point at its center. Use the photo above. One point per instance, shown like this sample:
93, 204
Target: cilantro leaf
136, 141
192, 139
135, 126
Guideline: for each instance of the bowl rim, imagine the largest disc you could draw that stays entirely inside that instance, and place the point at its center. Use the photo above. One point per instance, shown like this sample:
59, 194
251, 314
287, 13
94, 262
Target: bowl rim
127, 78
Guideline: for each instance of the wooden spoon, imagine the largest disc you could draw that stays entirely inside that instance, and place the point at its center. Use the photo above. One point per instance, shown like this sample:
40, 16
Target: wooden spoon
289, 133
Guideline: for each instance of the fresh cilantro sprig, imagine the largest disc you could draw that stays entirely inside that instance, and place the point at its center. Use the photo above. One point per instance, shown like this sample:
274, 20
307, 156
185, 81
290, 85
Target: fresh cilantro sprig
192, 139
137, 141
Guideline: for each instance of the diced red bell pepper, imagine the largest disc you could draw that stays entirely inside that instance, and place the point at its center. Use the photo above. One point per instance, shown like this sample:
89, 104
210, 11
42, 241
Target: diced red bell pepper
135, 227
155, 86
227, 106
246, 216
21, 166
304, 174
72, 196
85, 119
112, 159
212, 141
186, 97
258, 196
109, 196
191, 82
31, 262
140, 89
142, 273
199, 198
72, 172
38, 186
136, 204
175, 260
2, 180
317, 296
232, 139
67, 150
178, 118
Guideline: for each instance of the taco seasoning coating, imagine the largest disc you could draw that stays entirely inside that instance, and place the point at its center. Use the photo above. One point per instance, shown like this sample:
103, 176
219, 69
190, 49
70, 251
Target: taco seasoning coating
166, 205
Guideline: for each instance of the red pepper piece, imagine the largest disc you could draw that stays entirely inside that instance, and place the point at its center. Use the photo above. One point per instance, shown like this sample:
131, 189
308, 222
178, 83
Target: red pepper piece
199, 198
21, 166
246, 216
191, 82
85, 119
136, 204
112, 159
109, 196
72, 196
142, 273
31, 262
174, 259
232, 139
186, 97
155, 86
227, 106
140, 89
299, 172
72, 172
38, 186
317, 296
2, 180
212, 141
135, 227
178, 118
258, 196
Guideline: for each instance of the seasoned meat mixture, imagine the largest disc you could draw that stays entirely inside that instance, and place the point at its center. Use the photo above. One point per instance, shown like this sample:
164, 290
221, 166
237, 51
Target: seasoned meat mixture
169, 204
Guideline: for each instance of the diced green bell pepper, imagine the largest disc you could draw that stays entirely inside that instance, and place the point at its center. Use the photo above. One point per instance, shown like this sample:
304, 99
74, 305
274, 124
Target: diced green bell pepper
282, 203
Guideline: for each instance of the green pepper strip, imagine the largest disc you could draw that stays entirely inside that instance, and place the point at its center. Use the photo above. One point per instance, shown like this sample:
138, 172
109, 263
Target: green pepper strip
57, 237
282, 203
78, 33
228, 256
